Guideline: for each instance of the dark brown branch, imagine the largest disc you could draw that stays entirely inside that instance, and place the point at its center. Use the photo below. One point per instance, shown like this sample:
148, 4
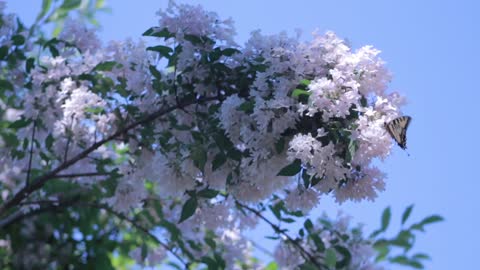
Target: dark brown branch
52, 206
30, 158
73, 175
305, 254
38, 182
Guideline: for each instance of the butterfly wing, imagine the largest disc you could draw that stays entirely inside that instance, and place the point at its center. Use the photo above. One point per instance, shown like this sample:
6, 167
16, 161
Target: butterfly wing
397, 128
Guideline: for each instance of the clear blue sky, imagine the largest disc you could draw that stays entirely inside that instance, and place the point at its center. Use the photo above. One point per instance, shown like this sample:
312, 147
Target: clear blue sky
431, 48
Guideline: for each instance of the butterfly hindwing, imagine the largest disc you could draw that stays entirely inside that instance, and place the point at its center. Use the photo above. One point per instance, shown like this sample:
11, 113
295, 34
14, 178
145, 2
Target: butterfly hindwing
397, 128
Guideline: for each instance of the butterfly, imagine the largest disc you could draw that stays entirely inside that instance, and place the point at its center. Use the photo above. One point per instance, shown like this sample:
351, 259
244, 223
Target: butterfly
397, 128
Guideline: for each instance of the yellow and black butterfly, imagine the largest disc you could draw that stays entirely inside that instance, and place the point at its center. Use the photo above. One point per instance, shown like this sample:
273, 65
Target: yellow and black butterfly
397, 128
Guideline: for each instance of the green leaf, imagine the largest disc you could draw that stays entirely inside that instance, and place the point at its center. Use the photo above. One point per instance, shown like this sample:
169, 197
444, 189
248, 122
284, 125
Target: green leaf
404, 239
3, 52
247, 106
199, 157
221, 262
49, 141
5, 85
292, 169
144, 251
386, 215
382, 251
306, 179
53, 50
162, 50
280, 145
208, 193
308, 225
94, 110
218, 161
428, 220
188, 209
271, 266
69, 5
305, 82
20, 123
431, 219
29, 64
330, 258
155, 72
196, 40
421, 256
211, 263
277, 210
300, 92
105, 66
347, 257
363, 101
315, 180
100, 4
197, 136
230, 51
18, 40
406, 214
288, 220
403, 260
318, 242
46, 4
210, 242
156, 32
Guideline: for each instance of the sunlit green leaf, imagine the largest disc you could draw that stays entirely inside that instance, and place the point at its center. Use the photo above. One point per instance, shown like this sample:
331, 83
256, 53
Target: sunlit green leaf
330, 257
46, 4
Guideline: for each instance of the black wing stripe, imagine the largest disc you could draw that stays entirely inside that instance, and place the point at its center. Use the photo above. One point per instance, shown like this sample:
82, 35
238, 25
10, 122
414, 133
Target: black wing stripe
397, 128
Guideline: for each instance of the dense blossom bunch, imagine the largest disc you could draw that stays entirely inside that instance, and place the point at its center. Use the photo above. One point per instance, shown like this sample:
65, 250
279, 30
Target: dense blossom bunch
190, 129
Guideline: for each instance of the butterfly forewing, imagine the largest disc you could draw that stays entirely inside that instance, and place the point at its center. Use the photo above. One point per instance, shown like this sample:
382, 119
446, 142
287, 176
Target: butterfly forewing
397, 128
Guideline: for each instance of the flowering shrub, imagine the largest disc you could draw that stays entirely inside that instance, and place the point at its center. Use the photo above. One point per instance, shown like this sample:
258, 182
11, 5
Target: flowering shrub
125, 150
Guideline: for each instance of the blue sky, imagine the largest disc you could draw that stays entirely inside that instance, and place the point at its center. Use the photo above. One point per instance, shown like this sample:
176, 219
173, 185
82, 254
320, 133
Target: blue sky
431, 47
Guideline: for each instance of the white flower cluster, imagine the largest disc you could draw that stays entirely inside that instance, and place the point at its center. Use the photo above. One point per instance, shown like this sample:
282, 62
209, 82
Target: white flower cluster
238, 144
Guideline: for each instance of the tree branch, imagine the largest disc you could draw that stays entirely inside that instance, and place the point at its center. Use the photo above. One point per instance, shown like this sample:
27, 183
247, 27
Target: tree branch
52, 206
31, 154
73, 175
39, 181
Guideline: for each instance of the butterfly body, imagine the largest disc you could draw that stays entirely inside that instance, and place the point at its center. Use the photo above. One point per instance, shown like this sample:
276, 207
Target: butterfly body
397, 128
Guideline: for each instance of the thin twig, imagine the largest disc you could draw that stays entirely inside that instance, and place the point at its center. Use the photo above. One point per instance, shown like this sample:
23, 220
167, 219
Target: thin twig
259, 247
138, 226
305, 254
